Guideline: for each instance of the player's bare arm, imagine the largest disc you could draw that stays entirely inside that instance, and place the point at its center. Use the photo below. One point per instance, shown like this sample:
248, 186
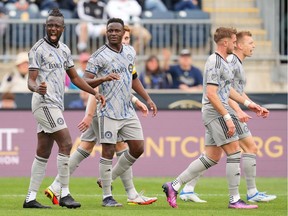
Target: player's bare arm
90, 110
141, 106
32, 84
249, 104
90, 78
139, 89
85, 86
243, 116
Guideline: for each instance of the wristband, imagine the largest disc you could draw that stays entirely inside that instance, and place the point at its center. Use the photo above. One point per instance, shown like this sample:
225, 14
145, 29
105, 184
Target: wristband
247, 103
134, 99
227, 117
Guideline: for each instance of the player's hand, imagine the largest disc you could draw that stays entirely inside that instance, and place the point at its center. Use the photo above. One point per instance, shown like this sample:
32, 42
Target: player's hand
42, 88
231, 127
112, 76
142, 107
243, 116
152, 107
85, 123
263, 113
100, 99
255, 108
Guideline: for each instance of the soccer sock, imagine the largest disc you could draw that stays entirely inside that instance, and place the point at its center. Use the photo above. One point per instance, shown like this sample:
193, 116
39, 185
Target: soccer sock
127, 179
233, 175
190, 186
124, 162
249, 167
75, 159
105, 170
37, 175
193, 170
63, 172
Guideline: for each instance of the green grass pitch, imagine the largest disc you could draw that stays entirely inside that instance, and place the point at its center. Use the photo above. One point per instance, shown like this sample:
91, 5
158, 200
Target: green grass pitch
86, 191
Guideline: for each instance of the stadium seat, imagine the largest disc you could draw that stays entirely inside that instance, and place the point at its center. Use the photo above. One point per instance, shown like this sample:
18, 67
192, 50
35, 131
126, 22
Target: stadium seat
161, 32
200, 32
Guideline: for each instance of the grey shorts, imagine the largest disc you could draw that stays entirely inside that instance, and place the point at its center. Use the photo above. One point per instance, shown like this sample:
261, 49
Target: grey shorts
114, 130
91, 134
216, 133
241, 128
49, 119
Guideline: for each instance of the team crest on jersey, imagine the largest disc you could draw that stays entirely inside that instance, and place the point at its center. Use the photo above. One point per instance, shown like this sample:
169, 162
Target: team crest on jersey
130, 68
65, 55
108, 134
60, 121
130, 57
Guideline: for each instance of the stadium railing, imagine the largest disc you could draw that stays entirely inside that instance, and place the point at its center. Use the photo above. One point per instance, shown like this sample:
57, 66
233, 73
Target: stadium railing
166, 34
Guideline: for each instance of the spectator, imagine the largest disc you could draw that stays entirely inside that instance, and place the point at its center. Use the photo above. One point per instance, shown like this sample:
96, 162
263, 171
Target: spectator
8, 101
130, 11
184, 75
90, 11
3, 16
153, 77
23, 9
178, 5
152, 5
83, 59
16, 81
81, 102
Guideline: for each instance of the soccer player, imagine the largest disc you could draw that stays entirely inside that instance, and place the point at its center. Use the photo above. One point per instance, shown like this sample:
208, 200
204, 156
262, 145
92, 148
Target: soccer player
88, 140
49, 61
118, 118
244, 48
220, 130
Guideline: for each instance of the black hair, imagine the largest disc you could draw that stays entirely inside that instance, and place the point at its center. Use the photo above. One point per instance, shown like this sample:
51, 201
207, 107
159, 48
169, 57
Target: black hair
56, 12
115, 20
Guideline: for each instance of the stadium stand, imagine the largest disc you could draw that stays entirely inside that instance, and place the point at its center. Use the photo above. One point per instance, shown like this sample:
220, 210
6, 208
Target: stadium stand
257, 16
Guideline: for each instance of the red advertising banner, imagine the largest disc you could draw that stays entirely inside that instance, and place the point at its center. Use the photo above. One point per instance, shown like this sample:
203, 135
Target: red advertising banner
173, 139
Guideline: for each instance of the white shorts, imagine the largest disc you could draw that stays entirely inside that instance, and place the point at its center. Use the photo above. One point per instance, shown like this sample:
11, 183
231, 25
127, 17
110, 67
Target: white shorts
50, 119
114, 130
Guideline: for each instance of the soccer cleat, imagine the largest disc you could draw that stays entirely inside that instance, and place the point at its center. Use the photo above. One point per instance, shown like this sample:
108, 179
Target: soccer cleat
69, 202
240, 204
171, 194
190, 196
141, 200
34, 204
261, 197
52, 196
111, 202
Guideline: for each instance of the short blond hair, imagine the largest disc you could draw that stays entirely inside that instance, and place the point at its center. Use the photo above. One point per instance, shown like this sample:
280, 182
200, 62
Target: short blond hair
240, 35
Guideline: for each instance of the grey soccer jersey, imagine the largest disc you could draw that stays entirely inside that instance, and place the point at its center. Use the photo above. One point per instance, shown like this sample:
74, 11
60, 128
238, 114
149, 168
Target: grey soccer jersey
118, 92
216, 72
239, 80
51, 63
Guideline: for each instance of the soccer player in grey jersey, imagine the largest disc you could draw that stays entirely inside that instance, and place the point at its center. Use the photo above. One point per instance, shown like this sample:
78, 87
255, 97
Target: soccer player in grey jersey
118, 117
244, 48
219, 128
49, 61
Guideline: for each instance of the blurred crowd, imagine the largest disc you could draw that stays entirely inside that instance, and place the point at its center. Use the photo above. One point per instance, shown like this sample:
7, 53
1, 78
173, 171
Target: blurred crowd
155, 74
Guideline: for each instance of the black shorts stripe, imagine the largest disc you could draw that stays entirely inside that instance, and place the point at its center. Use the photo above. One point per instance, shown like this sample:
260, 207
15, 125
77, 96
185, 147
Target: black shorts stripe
224, 126
49, 117
237, 125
